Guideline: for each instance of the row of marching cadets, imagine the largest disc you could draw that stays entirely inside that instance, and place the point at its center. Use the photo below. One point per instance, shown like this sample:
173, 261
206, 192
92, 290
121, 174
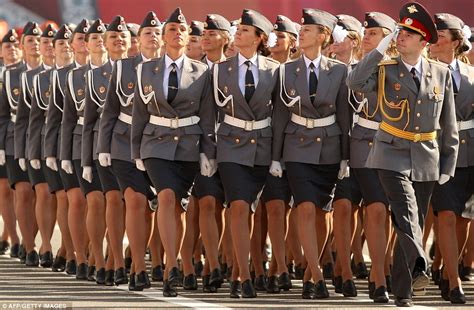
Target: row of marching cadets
287, 126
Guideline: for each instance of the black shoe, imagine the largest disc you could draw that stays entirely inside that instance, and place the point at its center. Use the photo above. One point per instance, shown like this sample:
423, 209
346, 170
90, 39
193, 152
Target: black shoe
131, 283
120, 276
46, 259
338, 284
206, 287
190, 282
71, 267
308, 290
198, 267
157, 273
248, 290
169, 290
444, 288
360, 271
380, 295
420, 280
109, 277
328, 271
141, 281
371, 289
272, 285
388, 281
4, 246
457, 296
22, 254
435, 275
235, 289
128, 264
260, 284
215, 278
403, 302
100, 276
320, 290
224, 268
32, 259
81, 272
59, 264
174, 276
91, 273
465, 272
284, 282
299, 272
349, 289
14, 250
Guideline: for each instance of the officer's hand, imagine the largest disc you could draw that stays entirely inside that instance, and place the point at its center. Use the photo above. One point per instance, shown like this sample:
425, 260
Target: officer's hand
66, 165
87, 173
2, 158
275, 169
213, 164
22, 163
140, 165
443, 178
385, 42
343, 169
51, 163
105, 159
36, 164
205, 165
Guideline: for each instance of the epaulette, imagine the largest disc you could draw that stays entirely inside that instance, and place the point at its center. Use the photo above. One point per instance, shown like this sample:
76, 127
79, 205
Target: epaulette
197, 62
388, 62
433, 61
272, 60
336, 61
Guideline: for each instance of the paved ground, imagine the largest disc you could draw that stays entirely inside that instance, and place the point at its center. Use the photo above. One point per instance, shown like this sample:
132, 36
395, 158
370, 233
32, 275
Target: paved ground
33, 288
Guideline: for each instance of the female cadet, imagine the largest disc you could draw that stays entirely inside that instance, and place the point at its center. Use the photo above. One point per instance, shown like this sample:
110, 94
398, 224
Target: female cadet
314, 141
173, 122
193, 48
377, 26
117, 42
114, 150
64, 40
244, 92
450, 200
11, 55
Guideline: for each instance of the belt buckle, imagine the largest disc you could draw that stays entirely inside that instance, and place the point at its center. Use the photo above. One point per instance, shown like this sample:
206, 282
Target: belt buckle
309, 123
417, 137
248, 125
174, 123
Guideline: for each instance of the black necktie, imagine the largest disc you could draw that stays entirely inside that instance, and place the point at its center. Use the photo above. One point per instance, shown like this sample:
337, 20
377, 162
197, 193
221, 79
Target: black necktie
415, 77
313, 82
172, 83
455, 87
249, 82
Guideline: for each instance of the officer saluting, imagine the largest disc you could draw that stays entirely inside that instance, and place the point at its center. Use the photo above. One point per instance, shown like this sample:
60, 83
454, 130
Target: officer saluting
415, 97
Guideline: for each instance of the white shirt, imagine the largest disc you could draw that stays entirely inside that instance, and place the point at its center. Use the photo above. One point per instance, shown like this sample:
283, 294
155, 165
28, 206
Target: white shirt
417, 67
168, 67
316, 62
144, 59
454, 68
210, 64
243, 69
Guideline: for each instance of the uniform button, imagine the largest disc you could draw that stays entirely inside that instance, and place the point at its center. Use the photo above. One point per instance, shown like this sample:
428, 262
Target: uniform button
301, 139
252, 141
318, 139
417, 128
418, 114
176, 138
237, 140
419, 101
370, 143
463, 141
330, 105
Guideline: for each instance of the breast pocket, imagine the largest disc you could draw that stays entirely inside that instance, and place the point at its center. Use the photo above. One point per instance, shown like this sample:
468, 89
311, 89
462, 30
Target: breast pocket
435, 102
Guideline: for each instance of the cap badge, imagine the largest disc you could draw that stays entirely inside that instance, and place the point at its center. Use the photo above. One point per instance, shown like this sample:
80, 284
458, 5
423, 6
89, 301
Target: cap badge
302, 19
153, 22
50, 33
12, 38
66, 35
119, 27
181, 17
412, 9
365, 23
275, 26
408, 21
99, 28
35, 31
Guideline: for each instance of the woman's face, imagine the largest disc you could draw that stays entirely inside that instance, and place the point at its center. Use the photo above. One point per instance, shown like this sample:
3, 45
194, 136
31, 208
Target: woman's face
31, 46
246, 37
117, 42
372, 38
11, 52
46, 47
212, 40
95, 43
309, 36
444, 45
193, 48
150, 38
78, 43
176, 35
343, 47
231, 50
63, 50
283, 43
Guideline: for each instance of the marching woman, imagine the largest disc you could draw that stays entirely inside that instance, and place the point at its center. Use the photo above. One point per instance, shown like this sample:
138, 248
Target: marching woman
450, 200
114, 151
311, 135
244, 91
117, 42
64, 40
172, 128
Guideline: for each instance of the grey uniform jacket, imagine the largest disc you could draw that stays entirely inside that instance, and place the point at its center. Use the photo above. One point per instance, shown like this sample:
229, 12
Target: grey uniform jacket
464, 112
52, 135
114, 134
194, 98
23, 111
97, 82
74, 102
236, 145
38, 112
431, 109
319, 145
8, 105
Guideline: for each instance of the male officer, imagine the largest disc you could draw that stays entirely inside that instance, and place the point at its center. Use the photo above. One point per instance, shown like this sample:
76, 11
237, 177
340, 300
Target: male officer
416, 99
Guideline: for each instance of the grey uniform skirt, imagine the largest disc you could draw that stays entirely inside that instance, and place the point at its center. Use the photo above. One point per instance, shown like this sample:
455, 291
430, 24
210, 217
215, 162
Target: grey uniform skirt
208, 186
276, 189
14, 172
312, 183
87, 187
107, 178
53, 178
128, 175
36, 175
348, 188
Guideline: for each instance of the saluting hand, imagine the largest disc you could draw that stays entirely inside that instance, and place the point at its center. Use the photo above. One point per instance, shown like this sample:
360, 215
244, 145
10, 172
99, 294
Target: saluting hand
22, 163
36, 164
51, 163
385, 42
105, 160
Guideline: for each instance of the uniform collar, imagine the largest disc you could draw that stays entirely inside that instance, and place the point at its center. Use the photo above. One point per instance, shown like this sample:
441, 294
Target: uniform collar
315, 62
453, 66
144, 59
46, 67
242, 60
178, 62
417, 66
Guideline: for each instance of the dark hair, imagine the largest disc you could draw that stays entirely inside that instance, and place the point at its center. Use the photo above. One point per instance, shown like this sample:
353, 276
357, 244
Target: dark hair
462, 47
262, 48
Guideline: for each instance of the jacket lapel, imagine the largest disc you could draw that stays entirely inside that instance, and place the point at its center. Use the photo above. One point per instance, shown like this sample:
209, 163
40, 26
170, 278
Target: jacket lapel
425, 78
465, 84
405, 76
157, 82
324, 81
264, 77
186, 80
232, 82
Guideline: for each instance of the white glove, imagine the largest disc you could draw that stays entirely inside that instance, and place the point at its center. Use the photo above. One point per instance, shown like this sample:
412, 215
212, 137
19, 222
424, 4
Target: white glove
385, 42
140, 165
66, 165
51, 163
2, 158
205, 165
36, 164
443, 178
275, 169
213, 164
87, 173
343, 170
22, 163
105, 159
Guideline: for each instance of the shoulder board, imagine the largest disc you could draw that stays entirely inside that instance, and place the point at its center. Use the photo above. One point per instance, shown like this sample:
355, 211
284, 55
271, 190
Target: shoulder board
272, 60
388, 62
198, 62
336, 61
433, 61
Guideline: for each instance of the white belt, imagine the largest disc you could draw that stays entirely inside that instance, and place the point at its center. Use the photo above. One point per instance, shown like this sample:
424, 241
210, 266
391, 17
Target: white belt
174, 122
247, 125
80, 120
465, 125
313, 122
13, 117
125, 118
367, 123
